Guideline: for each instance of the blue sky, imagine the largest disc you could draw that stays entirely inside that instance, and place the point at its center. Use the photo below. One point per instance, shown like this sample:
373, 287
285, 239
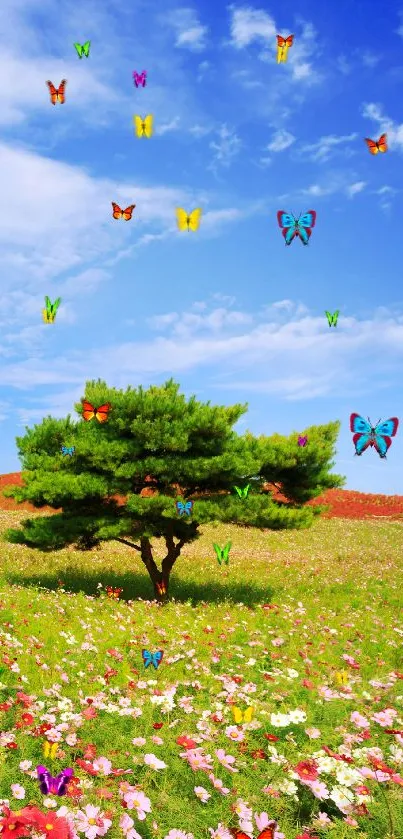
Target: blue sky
229, 311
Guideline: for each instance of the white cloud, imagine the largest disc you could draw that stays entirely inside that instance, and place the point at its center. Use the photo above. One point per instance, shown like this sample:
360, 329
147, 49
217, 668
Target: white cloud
248, 25
190, 34
280, 141
369, 59
166, 128
227, 147
344, 66
373, 111
354, 189
325, 147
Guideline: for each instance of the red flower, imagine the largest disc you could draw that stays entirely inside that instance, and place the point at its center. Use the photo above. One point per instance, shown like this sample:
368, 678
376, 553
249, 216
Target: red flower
12, 745
89, 713
13, 825
272, 738
50, 824
24, 699
187, 742
337, 756
307, 770
379, 765
90, 751
88, 767
259, 753
27, 719
306, 683
5, 706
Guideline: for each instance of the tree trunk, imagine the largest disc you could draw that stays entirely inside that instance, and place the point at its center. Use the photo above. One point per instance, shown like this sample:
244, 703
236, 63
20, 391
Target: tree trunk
159, 579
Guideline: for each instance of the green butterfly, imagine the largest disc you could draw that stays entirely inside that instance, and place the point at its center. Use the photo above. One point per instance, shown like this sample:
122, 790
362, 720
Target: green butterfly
332, 319
83, 49
49, 313
222, 553
243, 492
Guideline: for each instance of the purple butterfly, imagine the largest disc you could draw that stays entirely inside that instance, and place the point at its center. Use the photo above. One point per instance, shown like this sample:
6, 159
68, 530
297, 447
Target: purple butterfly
140, 78
49, 785
302, 441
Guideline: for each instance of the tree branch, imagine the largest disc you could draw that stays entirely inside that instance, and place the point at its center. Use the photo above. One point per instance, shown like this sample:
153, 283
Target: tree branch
126, 542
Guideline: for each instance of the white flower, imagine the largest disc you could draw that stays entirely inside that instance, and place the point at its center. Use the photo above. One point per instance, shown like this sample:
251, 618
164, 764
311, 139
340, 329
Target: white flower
154, 762
279, 720
297, 716
202, 794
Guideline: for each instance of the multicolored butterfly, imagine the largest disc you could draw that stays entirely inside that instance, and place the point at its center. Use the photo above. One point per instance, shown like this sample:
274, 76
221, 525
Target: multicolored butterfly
301, 226
161, 588
101, 413
222, 553
68, 450
57, 95
49, 313
113, 592
53, 786
243, 492
375, 146
283, 45
83, 49
188, 221
366, 435
332, 318
143, 126
302, 441
152, 658
242, 716
118, 213
50, 749
140, 78
184, 508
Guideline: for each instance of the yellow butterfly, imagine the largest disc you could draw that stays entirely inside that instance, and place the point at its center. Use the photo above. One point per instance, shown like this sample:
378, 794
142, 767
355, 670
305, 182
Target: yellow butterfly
244, 716
188, 221
143, 126
50, 749
342, 678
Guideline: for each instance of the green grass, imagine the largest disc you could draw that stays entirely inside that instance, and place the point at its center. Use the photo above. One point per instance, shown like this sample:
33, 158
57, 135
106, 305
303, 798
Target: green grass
337, 588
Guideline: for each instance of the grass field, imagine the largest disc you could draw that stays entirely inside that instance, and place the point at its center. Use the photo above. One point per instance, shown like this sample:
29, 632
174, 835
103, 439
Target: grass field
305, 627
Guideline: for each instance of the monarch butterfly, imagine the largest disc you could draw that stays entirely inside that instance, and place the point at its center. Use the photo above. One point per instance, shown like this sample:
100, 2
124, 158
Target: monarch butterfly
222, 553
50, 749
118, 213
143, 126
188, 221
113, 592
267, 833
375, 146
283, 45
244, 716
101, 413
83, 49
243, 492
57, 95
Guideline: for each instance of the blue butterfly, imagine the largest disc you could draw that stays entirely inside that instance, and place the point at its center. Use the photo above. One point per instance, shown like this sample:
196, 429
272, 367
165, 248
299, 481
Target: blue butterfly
184, 508
379, 437
152, 658
68, 450
301, 226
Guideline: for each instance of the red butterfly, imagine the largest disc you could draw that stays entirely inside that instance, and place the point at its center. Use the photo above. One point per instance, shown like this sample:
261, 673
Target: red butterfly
267, 833
113, 592
57, 95
101, 413
118, 213
375, 146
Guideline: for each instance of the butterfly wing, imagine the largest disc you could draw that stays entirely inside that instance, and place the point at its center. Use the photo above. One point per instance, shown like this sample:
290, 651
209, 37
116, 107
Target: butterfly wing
44, 778
248, 714
148, 125
372, 145
388, 428
359, 424
127, 213
239, 491
157, 658
280, 48
55, 306
147, 657
143, 78
237, 714
288, 223
194, 219
60, 93
102, 413
86, 48
289, 41
268, 832
304, 225
79, 49
53, 92
218, 553
245, 491
88, 412
188, 507
59, 784
180, 507
225, 553
116, 211
182, 218
138, 125
383, 143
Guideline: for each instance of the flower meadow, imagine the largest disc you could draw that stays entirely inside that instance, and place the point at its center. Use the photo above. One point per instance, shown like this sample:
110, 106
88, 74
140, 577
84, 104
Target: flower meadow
301, 633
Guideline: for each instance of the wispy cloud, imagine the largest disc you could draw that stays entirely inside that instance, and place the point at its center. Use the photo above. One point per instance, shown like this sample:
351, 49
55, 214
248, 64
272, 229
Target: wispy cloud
166, 128
355, 188
280, 141
248, 25
190, 34
326, 147
226, 148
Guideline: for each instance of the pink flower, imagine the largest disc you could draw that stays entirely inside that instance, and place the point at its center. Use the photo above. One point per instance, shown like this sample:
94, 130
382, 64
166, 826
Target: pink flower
218, 784
91, 822
202, 794
234, 733
220, 832
18, 791
385, 718
102, 764
226, 760
358, 720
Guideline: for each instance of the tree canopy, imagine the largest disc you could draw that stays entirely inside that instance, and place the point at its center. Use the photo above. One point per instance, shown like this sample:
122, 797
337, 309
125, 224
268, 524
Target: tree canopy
183, 450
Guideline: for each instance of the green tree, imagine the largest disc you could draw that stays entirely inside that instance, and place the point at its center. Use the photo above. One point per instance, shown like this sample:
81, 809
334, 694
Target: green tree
191, 451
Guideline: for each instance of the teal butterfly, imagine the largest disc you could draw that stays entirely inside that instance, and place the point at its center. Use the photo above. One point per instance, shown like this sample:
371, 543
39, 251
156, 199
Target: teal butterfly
222, 553
243, 493
184, 508
332, 318
83, 49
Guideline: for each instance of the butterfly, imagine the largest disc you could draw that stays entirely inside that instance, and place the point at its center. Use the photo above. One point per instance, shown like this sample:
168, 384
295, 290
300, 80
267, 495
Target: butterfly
243, 493
301, 226
68, 450
342, 678
83, 49
57, 95
332, 318
140, 78
379, 436
118, 213
144, 127
152, 658
240, 716
53, 786
161, 588
50, 749
113, 592
184, 508
222, 553
188, 221
283, 45
49, 313
302, 441
101, 413
375, 146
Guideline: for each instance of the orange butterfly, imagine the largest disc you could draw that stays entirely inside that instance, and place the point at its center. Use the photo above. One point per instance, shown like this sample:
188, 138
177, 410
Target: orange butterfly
282, 47
118, 213
377, 145
57, 95
161, 588
113, 592
267, 833
101, 413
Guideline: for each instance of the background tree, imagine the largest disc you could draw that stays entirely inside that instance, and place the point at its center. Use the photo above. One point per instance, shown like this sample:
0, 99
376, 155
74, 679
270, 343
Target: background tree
189, 449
